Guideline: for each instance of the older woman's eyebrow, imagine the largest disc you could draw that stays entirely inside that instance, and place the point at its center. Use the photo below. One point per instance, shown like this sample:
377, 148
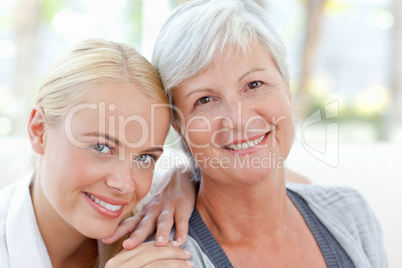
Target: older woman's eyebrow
250, 72
206, 90
106, 136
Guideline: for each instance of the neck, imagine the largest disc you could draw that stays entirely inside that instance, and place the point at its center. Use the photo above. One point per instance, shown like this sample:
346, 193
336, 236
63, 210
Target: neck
245, 211
65, 245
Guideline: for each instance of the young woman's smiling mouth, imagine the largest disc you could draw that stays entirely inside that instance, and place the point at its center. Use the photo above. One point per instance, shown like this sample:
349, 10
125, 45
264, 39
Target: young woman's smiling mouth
105, 206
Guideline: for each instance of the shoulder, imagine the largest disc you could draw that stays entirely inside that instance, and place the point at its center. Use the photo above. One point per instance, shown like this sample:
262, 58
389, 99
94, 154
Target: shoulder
335, 199
4, 260
198, 256
347, 215
6, 195
343, 205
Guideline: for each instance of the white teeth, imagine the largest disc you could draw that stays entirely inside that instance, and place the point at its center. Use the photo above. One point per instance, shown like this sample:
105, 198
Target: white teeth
104, 204
245, 145
250, 143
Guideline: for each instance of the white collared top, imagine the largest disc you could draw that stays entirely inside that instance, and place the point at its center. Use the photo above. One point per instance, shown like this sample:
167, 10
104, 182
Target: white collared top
21, 243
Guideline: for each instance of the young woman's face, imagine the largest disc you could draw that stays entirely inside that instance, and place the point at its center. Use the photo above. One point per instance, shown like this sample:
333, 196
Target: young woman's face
98, 164
237, 117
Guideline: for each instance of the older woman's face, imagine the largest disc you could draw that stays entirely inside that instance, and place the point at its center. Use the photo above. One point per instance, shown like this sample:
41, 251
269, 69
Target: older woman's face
237, 117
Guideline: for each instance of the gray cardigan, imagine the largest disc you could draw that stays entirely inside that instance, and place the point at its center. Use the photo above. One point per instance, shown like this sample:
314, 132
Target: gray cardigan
342, 210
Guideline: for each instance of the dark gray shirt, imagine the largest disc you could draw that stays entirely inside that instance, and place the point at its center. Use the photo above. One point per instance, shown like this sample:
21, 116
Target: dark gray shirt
342, 212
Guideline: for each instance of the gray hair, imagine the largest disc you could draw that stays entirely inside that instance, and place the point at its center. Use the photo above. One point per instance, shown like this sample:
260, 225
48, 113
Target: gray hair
199, 30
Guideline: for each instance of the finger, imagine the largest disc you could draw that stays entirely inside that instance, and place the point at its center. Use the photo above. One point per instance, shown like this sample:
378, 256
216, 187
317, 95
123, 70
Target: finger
125, 227
181, 223
125, 254
165, 224
146, 254
154, 254
145, 229
171, 264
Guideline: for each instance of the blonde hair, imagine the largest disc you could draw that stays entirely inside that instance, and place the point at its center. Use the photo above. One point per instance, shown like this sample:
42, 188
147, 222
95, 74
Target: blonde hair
78, 70
88, 63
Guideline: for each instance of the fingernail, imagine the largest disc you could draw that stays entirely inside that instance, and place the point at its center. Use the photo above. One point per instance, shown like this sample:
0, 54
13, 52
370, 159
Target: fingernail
127, 241
175, 243
179, 241
187, 252
160, 239
190, 263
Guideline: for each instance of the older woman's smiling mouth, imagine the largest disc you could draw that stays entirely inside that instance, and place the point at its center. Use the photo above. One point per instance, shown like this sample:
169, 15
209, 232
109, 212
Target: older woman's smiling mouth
245, 145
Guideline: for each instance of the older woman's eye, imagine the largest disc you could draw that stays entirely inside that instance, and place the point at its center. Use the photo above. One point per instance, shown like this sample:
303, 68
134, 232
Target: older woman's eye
204, 100
254, 84
102, 148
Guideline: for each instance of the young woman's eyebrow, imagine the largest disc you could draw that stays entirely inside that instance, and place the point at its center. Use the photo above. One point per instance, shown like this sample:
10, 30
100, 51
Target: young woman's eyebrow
154, 149
109, 138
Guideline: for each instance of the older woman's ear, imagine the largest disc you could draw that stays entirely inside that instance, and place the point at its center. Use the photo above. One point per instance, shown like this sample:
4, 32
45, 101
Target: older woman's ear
36, 129
289, 92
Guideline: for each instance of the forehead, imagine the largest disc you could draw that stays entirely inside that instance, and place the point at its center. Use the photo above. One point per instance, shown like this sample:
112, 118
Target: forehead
118, 107
233, 63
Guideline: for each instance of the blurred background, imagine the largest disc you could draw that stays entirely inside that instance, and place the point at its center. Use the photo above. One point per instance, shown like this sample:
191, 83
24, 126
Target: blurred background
344, 50
345, 60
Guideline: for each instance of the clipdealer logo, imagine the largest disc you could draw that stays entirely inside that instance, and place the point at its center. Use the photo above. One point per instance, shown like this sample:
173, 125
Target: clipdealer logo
325, 119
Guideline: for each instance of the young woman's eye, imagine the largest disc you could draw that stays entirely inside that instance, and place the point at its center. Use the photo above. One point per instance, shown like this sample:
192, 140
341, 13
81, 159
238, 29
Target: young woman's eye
254, 84
102, 148
146, 158
204, 100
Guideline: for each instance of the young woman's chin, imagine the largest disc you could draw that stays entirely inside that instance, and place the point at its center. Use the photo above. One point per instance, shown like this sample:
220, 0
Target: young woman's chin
97, 228
99, 231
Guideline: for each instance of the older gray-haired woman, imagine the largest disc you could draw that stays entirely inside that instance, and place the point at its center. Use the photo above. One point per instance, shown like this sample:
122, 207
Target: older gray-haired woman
224, 69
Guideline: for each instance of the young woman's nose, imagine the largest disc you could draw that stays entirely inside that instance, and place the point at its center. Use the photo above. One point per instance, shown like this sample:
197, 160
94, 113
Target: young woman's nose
121, 178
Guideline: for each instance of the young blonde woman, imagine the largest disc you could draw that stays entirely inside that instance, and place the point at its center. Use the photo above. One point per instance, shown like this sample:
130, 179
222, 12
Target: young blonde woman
97, 129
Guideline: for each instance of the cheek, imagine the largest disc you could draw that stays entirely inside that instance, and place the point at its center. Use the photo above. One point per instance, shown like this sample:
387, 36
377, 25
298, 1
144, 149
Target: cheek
75, 170
198, 131
143, 184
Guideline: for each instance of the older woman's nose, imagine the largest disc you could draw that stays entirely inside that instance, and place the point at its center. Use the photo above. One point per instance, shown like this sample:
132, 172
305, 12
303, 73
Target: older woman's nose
237, 114
121, 178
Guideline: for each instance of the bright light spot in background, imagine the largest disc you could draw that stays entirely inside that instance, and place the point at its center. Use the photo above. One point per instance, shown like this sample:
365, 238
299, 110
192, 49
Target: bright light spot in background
7, 4
7, 49
6, 125
384, 20
74, 26
322, 88
5, 97
99, 9
375, 99
155, 14
322, 85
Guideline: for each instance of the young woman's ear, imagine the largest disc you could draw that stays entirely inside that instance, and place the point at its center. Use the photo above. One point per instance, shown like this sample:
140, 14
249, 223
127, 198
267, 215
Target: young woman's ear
36, 129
